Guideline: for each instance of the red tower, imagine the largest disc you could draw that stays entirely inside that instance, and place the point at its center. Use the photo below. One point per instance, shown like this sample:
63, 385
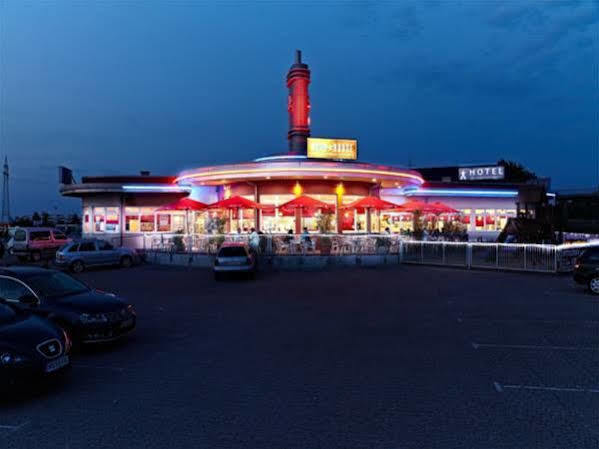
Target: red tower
298, 105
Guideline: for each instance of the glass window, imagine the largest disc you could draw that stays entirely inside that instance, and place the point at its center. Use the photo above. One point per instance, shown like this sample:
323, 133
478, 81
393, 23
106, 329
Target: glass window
74, 248
87, 226
39, 235
232, 251
178, 224
87, 246
112, 219
105, 246
99, 219
132, 223
164, 223
147, 223
20, 236
59, 236
56, 284
12, 290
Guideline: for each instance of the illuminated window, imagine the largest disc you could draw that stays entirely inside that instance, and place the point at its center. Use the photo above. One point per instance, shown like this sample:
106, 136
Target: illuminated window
112, 219
146, 222
132, 219
164, 222
87, 220
99, 219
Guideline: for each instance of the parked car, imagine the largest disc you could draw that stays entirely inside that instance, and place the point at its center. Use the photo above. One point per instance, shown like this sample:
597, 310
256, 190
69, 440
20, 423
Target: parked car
36, 243
87, 315
76, 256
586, 269
234, 257
30, 347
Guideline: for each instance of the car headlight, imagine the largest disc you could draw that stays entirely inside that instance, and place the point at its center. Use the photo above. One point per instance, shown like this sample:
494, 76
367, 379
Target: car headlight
9, 358
88, 318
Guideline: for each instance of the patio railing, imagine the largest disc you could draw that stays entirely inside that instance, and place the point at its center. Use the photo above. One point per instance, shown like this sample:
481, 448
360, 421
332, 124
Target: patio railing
520, 257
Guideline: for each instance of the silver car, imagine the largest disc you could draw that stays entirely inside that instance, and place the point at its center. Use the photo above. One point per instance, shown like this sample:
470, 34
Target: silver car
77, 256
234, 257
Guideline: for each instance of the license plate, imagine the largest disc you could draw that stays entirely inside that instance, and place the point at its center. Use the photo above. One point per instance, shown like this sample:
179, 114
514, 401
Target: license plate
127, 323
57, 364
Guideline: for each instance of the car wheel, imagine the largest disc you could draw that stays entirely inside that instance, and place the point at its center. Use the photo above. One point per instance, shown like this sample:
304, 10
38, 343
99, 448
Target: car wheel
594, 285
36, 256
126, 262
77, 266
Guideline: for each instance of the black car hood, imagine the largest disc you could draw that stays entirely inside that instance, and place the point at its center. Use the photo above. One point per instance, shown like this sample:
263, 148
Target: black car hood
26, 332
90, 302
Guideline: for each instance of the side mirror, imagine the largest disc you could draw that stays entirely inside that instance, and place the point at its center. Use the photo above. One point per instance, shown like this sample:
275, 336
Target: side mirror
28, 299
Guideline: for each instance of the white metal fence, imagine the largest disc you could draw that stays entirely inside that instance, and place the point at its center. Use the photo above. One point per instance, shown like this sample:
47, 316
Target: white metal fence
499, 256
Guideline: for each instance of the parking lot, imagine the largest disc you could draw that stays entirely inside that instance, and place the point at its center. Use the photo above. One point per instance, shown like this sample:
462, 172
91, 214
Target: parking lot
398, 357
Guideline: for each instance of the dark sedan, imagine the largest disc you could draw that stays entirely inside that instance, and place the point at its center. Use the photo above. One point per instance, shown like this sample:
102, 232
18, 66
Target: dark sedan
586, 269
87, 315
30, 346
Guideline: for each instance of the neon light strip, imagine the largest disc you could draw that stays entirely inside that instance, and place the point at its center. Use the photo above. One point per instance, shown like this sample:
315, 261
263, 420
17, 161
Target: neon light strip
281, 171
282, 157
462, 192
150, 188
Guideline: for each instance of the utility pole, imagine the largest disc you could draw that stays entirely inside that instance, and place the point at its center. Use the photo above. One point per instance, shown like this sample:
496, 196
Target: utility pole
5, 218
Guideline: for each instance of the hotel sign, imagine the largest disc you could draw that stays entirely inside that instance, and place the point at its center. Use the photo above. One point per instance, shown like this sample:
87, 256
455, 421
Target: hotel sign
481, 173
332, 148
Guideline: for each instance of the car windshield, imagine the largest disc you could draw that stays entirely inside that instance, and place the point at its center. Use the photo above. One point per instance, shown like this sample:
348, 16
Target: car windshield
232, 251
55, 285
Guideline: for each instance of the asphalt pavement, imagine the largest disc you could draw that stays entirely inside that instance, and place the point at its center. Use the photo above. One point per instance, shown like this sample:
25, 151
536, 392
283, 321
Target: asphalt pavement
396, 357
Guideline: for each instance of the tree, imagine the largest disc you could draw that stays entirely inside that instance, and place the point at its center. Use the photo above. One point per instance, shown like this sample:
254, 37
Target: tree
45, 219
74, 219
36, 217
515, 172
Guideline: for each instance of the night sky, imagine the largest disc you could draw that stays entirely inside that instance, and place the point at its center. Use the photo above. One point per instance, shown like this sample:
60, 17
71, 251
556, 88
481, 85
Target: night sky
111, 87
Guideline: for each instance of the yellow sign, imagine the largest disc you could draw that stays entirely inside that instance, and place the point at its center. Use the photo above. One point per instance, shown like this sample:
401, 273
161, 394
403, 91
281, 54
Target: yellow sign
332, 148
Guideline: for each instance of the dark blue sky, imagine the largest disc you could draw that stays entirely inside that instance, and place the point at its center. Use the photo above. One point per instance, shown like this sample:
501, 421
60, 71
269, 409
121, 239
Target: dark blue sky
110, 87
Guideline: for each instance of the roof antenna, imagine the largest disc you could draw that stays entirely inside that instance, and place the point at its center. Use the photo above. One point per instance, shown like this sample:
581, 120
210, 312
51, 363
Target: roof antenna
298, 56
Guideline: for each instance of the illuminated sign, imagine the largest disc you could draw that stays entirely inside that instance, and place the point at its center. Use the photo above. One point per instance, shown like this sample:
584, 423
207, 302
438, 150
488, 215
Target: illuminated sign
332, 148
480, 173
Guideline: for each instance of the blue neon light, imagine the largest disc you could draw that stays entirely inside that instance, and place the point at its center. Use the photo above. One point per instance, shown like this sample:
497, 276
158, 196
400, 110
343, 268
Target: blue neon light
463, 192
155, 188
281, 157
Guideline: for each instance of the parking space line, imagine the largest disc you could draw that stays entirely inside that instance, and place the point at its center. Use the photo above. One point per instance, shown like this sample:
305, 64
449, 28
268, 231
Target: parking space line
500, 388
13, 428
535, 347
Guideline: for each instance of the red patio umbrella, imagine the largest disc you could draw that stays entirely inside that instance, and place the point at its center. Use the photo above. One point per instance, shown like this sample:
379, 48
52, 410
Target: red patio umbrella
304, 202
412, 206
371, 202
235, 202
184, 204
443, 208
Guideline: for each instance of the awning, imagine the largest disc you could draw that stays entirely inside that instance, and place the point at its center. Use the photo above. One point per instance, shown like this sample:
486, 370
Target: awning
235, 202
184, 204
